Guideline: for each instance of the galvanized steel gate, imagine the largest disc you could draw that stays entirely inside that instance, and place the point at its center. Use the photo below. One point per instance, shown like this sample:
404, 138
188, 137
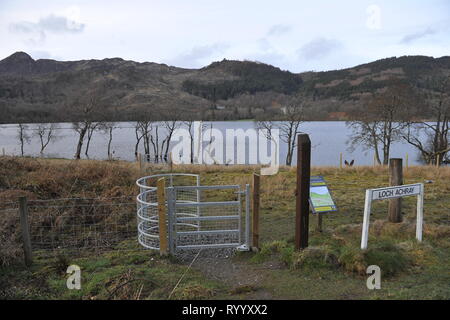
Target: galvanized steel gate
220, 221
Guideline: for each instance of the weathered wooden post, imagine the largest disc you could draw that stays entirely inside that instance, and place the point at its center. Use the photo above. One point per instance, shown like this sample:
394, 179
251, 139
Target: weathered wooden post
26, 239
255, 211
139, 159
302, 192
319, 222
395, 179
340, 161
407, 161
162, 221
170, 162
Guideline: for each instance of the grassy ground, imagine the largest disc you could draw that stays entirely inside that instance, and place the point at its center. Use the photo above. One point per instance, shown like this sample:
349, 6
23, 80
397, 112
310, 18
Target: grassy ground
332, 267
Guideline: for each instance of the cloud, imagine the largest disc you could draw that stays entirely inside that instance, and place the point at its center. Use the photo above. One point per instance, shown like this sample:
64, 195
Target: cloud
278, 30
36, 32
196, 56
59, 24
418, 35
318, 48
40, 54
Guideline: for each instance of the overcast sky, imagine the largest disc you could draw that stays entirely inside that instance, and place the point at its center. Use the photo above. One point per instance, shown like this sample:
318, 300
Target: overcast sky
293, 35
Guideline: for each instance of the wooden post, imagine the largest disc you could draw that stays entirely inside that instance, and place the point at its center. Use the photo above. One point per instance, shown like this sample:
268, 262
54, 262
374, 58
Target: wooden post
319, 222
255, 211
407, 161
170, 162
395, 179
302, 192
23, 209
140, 162
162, 220
340, 161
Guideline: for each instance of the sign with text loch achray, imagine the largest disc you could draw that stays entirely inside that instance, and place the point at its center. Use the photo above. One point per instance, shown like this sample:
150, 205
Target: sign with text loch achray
396, 192
390, 193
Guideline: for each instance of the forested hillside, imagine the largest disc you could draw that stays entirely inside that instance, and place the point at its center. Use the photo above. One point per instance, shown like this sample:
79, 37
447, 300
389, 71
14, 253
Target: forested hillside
48, 90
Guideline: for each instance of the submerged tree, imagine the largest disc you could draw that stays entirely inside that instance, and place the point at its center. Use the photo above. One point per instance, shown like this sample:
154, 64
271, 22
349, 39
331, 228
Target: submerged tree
108, 128
294, 112
91, 128
46, 134
23, 136
86, 108
170, 127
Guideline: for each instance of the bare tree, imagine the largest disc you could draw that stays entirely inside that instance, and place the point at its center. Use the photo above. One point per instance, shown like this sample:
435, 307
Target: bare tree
108, 128
364, 133
143, 130
23, 136
92, 127
86, 108
46, 134
139, 137
293, 116
382, 122
432, 138
190, 126
170, 127
289, 126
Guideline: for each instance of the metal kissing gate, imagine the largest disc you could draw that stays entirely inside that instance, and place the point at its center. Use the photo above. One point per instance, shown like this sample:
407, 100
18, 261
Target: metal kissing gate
180, 214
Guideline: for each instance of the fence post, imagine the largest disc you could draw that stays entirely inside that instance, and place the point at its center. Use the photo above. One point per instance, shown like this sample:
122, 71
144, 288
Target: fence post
302, 192
171, 219
340, 161
407, 161
139, 159
395, 179
319, 222
23, 210
170, 162
247, 216
161, 195
255, 211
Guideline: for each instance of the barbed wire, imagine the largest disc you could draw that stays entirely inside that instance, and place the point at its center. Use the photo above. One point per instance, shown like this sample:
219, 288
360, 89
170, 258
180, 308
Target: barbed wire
85, 205
65, 199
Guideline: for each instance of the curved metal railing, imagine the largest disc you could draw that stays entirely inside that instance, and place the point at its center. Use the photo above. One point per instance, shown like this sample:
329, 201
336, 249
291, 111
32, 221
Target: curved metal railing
147, 205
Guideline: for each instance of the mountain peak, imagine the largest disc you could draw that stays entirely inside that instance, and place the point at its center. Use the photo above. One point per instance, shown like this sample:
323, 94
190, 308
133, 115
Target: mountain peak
19, 56
17, 63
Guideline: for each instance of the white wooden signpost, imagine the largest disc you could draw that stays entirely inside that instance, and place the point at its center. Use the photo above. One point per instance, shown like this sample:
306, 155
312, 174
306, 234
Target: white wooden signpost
389, 193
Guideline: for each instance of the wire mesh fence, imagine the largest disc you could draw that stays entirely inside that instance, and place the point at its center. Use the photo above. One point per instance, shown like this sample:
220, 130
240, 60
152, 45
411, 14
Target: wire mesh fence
76, 225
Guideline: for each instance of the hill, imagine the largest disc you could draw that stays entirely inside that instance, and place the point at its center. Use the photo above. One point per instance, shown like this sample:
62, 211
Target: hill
48, 90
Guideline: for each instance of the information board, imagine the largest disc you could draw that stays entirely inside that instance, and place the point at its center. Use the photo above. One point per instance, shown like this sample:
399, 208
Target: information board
319, 196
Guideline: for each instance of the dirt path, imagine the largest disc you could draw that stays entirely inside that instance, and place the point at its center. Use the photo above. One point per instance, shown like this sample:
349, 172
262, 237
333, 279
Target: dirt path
244, 279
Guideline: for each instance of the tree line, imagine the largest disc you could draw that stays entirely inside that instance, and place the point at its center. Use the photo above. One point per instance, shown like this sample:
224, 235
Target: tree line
389, 115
